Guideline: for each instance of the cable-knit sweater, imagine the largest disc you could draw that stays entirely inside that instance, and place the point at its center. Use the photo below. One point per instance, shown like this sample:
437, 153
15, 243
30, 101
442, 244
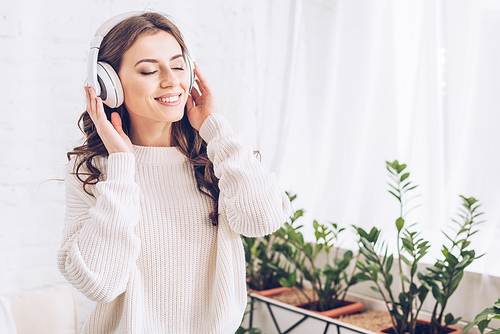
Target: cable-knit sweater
143, 247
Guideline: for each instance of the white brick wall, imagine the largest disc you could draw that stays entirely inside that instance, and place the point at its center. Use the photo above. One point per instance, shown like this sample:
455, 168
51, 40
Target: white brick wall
40, 61
42, 71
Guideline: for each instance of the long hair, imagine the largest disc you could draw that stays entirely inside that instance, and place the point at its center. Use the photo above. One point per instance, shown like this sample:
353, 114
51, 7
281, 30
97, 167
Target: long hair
183, 135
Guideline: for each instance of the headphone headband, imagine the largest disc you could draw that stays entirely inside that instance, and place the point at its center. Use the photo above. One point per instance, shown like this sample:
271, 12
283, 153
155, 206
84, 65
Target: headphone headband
95, 45
109, 24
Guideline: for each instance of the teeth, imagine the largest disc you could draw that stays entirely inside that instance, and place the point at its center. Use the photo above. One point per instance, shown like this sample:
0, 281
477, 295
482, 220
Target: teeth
169, 99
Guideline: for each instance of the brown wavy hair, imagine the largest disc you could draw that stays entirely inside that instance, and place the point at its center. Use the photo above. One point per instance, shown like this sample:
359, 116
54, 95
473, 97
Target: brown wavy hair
183, 135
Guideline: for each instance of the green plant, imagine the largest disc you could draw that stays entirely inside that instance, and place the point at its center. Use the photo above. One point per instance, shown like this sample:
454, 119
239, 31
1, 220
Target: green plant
262, 263
330, 283
442, 278
483, 319
405, 307
445, 275
264, 268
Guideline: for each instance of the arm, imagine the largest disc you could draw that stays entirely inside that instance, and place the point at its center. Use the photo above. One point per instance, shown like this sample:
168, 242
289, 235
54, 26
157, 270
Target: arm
249, 196
99, 247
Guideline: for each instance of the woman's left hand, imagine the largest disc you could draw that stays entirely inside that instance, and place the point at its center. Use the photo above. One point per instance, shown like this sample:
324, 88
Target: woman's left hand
200, 103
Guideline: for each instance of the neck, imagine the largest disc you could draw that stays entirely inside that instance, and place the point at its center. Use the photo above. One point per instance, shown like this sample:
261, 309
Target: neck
151, 134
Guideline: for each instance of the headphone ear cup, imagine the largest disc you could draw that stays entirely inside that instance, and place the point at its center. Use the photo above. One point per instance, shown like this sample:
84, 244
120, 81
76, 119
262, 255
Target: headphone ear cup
190, 65
111, 87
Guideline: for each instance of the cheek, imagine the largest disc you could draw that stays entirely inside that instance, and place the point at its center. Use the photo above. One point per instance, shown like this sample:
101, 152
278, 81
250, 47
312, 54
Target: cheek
184, 79
134, 90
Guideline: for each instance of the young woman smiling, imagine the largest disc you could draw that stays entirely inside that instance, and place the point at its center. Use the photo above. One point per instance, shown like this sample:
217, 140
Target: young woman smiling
159, 193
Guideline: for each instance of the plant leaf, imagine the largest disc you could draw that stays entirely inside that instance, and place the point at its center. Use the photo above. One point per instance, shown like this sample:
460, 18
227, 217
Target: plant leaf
400, 222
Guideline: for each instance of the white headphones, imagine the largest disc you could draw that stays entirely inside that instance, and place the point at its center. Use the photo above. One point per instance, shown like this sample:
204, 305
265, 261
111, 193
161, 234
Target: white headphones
102, 77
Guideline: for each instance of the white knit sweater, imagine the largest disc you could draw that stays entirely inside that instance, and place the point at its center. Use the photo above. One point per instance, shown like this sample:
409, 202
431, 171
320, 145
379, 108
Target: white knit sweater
145, 249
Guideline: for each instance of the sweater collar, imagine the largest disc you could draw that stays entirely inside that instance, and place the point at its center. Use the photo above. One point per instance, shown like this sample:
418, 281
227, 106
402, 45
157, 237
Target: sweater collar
153, 155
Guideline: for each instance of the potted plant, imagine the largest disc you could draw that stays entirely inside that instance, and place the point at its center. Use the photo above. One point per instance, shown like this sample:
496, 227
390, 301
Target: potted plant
329, 283
262, 262
264, 268
483, 319
405, 307
442, 278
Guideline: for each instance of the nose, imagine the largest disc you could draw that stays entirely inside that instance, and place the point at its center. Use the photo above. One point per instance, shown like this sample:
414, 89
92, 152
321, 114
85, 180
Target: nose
169, 79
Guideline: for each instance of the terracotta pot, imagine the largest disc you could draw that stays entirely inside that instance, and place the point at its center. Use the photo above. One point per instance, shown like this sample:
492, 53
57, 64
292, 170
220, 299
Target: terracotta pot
447, 330
349, 307
271, 292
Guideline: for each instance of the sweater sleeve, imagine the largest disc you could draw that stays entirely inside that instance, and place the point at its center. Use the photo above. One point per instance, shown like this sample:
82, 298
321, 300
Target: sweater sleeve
249, 196
99, 247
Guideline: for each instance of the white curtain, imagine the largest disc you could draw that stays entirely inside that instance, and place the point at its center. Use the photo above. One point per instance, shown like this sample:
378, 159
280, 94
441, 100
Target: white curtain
351, 84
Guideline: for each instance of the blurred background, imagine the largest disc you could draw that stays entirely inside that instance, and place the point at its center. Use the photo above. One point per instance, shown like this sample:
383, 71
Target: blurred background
326, 90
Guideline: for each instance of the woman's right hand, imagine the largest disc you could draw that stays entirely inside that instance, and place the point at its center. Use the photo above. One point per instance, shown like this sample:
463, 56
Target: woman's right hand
111, 133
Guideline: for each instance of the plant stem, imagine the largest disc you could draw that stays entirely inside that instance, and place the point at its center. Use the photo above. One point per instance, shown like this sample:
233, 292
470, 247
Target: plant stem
386, 285
350, 277
399, 233
447, 291
387, 303
304, 294
413, 317
311, 261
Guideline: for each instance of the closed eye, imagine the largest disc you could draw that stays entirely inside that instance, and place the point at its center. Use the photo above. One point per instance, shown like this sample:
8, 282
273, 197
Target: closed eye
148, 73
178, 68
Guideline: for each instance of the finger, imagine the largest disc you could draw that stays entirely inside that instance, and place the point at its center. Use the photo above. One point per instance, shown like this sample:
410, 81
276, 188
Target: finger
117, 122
93, 93
200, 86
88, 95
91, 106
98, 109
195, 94
89, 99
202, 79
93, 98
189, 103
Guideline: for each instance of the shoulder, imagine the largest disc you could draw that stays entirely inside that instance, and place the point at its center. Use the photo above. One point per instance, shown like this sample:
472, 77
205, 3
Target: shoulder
215, 126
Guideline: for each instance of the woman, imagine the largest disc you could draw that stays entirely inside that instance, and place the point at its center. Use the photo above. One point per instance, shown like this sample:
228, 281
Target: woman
159, 193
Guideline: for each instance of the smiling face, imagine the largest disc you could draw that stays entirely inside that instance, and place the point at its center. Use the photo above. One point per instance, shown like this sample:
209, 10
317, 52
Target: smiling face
155, 79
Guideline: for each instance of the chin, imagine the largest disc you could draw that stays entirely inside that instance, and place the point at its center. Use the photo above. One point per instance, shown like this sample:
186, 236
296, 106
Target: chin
169, 116
177, 116
177, 119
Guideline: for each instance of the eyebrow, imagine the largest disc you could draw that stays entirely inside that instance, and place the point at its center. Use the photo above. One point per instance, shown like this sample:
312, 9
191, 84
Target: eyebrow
155, 61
